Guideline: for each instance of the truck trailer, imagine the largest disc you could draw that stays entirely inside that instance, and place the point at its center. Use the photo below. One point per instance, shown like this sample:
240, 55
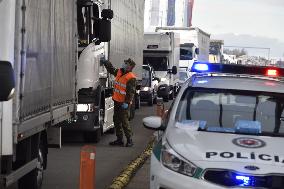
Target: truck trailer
194, 44
38, 80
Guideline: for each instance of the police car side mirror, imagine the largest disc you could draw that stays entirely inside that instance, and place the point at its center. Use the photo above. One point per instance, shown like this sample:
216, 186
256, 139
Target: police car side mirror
153, 122
7, 81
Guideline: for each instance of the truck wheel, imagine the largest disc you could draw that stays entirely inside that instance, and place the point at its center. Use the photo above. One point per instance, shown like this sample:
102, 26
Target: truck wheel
33, 180
40, 166
166, 98
171, 96
155, 100
150, 101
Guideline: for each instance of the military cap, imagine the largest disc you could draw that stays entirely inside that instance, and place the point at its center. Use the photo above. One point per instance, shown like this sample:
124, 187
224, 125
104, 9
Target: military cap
130, 62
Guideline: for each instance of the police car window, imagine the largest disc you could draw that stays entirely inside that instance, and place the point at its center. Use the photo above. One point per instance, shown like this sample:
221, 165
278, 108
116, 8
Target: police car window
226, 111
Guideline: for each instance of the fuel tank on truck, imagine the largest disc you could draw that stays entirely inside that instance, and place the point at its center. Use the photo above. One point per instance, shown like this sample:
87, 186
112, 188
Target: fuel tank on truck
89, 66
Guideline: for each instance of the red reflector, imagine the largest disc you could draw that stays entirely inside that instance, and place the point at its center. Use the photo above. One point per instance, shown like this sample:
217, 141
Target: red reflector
271, 72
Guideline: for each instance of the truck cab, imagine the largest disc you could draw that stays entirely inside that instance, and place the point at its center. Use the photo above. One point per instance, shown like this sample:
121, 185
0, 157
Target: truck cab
188, 54
161, 51
194, 44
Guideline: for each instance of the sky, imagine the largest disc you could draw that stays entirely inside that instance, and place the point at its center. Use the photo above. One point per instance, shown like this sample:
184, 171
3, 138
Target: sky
243, 22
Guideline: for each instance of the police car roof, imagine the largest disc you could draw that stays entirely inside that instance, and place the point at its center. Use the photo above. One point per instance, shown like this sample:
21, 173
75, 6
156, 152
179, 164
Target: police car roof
244, 82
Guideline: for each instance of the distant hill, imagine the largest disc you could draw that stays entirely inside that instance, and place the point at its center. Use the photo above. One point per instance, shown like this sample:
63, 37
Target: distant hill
276, 46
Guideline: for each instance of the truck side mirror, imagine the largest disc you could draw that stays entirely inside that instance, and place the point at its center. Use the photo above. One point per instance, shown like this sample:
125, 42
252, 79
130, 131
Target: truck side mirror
174, 70
105, 30
7, 81
197, 51
105, 25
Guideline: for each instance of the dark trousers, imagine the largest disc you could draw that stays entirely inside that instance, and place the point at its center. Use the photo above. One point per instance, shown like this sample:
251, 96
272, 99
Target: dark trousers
121, 121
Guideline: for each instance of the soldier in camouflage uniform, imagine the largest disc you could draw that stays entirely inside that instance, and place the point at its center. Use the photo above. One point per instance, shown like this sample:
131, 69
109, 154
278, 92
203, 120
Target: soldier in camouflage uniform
124, 91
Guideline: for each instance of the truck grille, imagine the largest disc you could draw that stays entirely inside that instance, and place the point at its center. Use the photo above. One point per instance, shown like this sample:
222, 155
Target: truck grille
230, 178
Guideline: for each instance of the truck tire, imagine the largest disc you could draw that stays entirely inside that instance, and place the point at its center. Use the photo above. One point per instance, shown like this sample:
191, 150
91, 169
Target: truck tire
166, 99
171, 96
155, 100
34, 179
151, 100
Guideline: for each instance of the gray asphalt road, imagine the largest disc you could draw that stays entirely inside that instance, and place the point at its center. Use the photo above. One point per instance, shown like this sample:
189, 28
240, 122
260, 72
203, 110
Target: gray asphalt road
63, 164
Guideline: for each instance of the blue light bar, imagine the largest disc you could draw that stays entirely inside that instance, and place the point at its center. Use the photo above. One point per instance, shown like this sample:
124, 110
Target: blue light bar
206, 67
200, 67
245, 180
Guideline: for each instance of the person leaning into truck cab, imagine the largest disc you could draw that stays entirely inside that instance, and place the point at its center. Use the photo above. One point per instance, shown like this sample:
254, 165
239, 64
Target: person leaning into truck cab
123, 95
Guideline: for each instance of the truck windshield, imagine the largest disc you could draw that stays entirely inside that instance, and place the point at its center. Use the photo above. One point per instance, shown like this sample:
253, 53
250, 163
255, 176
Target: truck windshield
214, 49
185, 53
158, 63
234, 111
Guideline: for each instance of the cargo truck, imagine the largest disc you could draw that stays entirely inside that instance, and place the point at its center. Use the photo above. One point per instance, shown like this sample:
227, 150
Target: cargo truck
95, 105
194, 44
161, 51
38, 64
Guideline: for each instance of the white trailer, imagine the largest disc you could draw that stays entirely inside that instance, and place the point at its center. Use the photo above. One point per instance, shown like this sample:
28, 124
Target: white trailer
194, 44
95, 107
39, 41
161, 51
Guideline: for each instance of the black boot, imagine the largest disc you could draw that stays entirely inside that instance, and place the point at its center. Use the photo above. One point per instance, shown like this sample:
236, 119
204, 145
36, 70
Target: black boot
117, 142
129, 143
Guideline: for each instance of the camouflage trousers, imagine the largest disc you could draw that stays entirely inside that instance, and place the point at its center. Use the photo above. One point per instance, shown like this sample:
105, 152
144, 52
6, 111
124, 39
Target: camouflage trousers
121, 121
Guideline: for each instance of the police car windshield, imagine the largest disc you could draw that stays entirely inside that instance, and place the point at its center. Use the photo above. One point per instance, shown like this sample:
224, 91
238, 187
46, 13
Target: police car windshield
234, 111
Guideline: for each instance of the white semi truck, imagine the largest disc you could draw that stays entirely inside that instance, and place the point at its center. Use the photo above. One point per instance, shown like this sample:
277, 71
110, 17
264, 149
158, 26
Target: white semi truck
39, 65
161, 51
194, 44
94, 116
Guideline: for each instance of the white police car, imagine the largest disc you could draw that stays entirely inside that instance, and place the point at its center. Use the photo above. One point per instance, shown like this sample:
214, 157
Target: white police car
224, 130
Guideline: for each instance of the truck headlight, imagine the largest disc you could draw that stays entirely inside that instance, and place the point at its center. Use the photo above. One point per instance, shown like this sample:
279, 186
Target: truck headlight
171, 160
83, 107
163, 79
145, 88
